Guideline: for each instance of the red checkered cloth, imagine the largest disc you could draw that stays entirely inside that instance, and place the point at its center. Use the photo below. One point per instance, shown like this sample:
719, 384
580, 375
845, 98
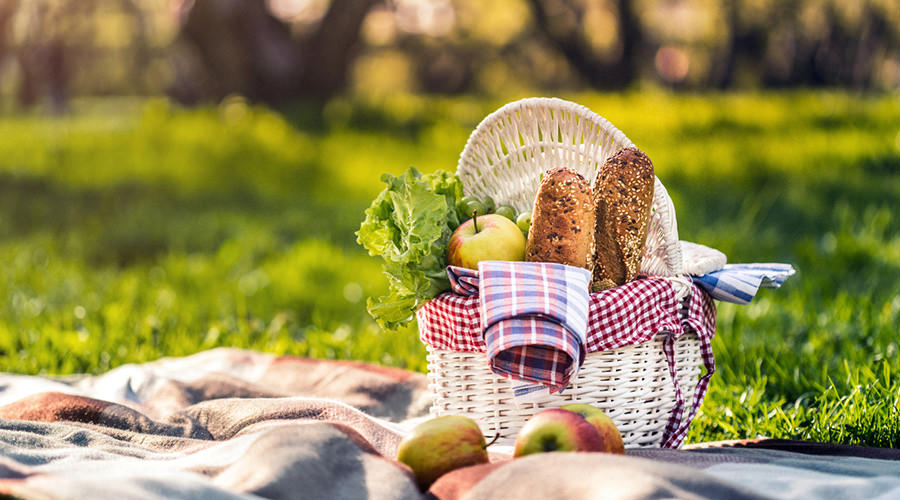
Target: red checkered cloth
630, 314
698, 316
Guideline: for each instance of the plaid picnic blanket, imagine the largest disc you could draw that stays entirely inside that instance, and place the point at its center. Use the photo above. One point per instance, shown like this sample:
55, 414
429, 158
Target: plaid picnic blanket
233, 424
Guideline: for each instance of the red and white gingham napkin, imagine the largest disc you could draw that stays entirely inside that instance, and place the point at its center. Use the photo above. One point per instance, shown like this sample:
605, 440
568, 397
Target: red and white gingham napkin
630, 314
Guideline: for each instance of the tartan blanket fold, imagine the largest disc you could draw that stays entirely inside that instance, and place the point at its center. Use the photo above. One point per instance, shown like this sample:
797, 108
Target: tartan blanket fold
229, 424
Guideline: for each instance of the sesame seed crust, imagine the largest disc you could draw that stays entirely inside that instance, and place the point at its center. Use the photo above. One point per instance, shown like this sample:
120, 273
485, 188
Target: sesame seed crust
563, 212
622, 196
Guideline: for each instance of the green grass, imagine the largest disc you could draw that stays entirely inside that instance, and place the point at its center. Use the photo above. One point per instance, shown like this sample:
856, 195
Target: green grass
133, 230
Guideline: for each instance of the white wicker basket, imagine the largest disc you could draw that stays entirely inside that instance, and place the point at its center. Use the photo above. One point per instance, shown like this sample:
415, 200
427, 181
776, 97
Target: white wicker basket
503, 159
631, 384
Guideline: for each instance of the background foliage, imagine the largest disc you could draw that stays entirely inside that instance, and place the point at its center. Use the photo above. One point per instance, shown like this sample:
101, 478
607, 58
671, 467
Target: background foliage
134, 229
277, 51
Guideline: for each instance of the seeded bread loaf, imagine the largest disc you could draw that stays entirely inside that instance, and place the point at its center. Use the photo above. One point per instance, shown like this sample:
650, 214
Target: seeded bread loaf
623, 195
562, 222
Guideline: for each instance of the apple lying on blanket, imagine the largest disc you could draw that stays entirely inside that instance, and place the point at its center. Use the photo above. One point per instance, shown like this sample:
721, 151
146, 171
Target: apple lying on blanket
555, 429
609, 433
485, 237
440, 445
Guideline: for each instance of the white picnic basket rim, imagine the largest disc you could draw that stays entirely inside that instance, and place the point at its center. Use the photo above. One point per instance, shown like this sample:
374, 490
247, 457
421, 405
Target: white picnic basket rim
511, 147
503, 158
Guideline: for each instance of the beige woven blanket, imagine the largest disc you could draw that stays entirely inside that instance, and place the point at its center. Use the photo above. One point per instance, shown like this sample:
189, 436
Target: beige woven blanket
236, 424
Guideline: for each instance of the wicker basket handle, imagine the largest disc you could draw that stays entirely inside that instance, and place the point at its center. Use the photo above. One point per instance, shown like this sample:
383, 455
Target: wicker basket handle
510, 149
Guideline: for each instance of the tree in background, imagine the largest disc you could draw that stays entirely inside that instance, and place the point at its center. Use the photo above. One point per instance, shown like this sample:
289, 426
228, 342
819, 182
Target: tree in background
57, 48
280, 50
562, 22
43, 67
240, 46
794, 43
7, 11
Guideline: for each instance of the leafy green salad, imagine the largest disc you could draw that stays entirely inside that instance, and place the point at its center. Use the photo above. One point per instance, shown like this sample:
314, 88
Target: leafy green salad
409, 224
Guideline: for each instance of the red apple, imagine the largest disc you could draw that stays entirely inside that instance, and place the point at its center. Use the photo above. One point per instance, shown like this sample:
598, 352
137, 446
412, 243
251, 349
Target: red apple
609, 433
440, 445
556, 429
485, 237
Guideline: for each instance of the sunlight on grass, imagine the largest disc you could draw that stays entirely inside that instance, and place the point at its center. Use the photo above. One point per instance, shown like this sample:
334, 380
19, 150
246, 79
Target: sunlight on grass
131, 230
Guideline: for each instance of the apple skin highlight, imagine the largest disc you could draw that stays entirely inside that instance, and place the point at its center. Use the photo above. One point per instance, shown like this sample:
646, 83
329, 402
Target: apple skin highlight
556, 429
609, 433
440, 445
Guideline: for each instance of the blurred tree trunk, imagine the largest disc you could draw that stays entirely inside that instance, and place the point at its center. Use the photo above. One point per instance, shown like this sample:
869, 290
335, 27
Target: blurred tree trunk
57, 76
741, 43
327, 54
243, 48
140, 53
7, 10
848, 55
784, 55
44, 57
874, 42
620, 71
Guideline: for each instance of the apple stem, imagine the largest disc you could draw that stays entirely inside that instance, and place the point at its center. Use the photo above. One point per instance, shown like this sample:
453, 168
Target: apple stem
496, 437
475, 219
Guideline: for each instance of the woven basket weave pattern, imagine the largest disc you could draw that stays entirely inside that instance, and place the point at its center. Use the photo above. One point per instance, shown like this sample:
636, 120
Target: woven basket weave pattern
504, 159
632, 385
532, 136
507, 153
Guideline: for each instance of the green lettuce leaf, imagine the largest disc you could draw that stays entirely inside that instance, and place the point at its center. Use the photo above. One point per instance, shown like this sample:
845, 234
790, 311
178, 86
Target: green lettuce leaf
408, 225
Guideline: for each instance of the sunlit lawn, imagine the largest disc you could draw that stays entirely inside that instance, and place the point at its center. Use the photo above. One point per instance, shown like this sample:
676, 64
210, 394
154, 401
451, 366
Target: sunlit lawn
134, 230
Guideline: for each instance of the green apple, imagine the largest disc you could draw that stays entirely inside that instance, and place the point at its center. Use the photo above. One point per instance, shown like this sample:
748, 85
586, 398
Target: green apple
609, 433
440, 445
506, 211
485, 237
555, 429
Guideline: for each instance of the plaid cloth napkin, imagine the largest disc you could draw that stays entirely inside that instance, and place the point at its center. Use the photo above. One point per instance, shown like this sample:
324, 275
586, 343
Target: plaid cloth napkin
534, 319
529, 317
739, 283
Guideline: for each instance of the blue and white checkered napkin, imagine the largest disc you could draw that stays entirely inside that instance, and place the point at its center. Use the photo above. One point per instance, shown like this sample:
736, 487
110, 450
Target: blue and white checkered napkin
738, 283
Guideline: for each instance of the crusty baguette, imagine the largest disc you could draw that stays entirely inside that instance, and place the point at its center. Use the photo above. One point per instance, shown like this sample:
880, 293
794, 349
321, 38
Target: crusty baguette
623, 195
562, 222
